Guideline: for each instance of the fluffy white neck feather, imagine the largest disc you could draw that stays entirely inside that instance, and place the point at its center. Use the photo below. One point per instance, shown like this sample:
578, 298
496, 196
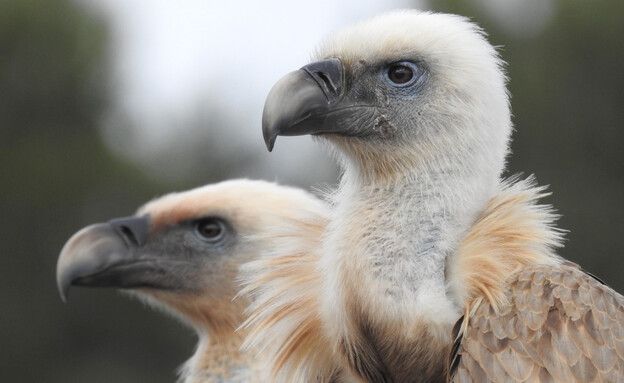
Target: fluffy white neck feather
398, 235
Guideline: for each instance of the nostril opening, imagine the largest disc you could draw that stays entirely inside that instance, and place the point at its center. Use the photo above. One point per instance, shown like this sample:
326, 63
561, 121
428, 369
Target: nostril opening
125, 230
329, 75
323, 77
133, 230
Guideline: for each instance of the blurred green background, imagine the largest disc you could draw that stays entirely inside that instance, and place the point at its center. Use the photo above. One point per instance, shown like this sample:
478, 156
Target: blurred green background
57, 174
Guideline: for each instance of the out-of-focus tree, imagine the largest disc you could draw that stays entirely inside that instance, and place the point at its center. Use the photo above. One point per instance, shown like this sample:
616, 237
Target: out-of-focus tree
57, 176
567, 87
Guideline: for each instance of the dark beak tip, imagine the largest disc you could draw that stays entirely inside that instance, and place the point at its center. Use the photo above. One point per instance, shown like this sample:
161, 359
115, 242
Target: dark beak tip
62, 280
269, 131
270, 142
63, 289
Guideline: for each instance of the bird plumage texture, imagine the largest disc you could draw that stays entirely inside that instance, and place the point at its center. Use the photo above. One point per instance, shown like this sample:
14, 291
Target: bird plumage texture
560, 325
424, 236
187, 261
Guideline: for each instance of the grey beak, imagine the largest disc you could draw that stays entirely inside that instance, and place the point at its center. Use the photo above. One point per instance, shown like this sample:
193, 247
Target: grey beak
90, 252
302, 101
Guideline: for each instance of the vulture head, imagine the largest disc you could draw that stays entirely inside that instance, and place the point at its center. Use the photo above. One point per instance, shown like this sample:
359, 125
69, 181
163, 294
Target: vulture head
182, 251
400, 91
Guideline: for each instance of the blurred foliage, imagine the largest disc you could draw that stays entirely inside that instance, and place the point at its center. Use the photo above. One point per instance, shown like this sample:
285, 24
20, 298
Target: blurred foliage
58, 176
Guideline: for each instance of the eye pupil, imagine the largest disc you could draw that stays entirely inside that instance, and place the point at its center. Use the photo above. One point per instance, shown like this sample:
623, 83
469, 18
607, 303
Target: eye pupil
400, 74
209, 230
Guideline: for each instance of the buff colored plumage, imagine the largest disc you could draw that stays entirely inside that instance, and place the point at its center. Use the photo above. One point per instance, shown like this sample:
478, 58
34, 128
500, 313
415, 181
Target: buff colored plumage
182, 252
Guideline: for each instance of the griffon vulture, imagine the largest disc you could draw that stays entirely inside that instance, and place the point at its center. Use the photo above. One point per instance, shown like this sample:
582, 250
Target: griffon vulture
432, 268
182, 252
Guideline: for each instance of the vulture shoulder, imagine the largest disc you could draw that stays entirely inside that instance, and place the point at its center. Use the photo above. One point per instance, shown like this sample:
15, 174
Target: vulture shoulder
559, 325
529, 315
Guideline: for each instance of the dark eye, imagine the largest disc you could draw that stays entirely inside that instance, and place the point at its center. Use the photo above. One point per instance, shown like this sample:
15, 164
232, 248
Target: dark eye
210, 229
402, 73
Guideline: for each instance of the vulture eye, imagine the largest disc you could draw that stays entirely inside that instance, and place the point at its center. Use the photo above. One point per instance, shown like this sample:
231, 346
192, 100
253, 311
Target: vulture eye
210, 229
402, 73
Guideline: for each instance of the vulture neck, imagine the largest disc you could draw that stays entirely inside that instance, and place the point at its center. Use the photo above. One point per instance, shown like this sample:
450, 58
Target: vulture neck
215, 319
399, 230
218, 356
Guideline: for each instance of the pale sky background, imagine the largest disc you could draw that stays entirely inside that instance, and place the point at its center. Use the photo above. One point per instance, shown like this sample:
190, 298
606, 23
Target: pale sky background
175, 60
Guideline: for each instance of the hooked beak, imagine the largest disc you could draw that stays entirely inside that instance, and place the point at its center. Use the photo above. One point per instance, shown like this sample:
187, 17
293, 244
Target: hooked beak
310, 100
92, 256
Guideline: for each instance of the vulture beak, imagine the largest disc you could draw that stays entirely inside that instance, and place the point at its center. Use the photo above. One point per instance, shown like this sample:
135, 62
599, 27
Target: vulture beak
310, 100
102, 254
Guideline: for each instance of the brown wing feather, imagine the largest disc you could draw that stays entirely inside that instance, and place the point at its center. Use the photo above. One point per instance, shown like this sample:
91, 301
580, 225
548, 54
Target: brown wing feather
561, 325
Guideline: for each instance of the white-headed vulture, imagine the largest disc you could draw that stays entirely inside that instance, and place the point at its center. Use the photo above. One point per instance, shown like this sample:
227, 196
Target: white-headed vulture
433, 268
